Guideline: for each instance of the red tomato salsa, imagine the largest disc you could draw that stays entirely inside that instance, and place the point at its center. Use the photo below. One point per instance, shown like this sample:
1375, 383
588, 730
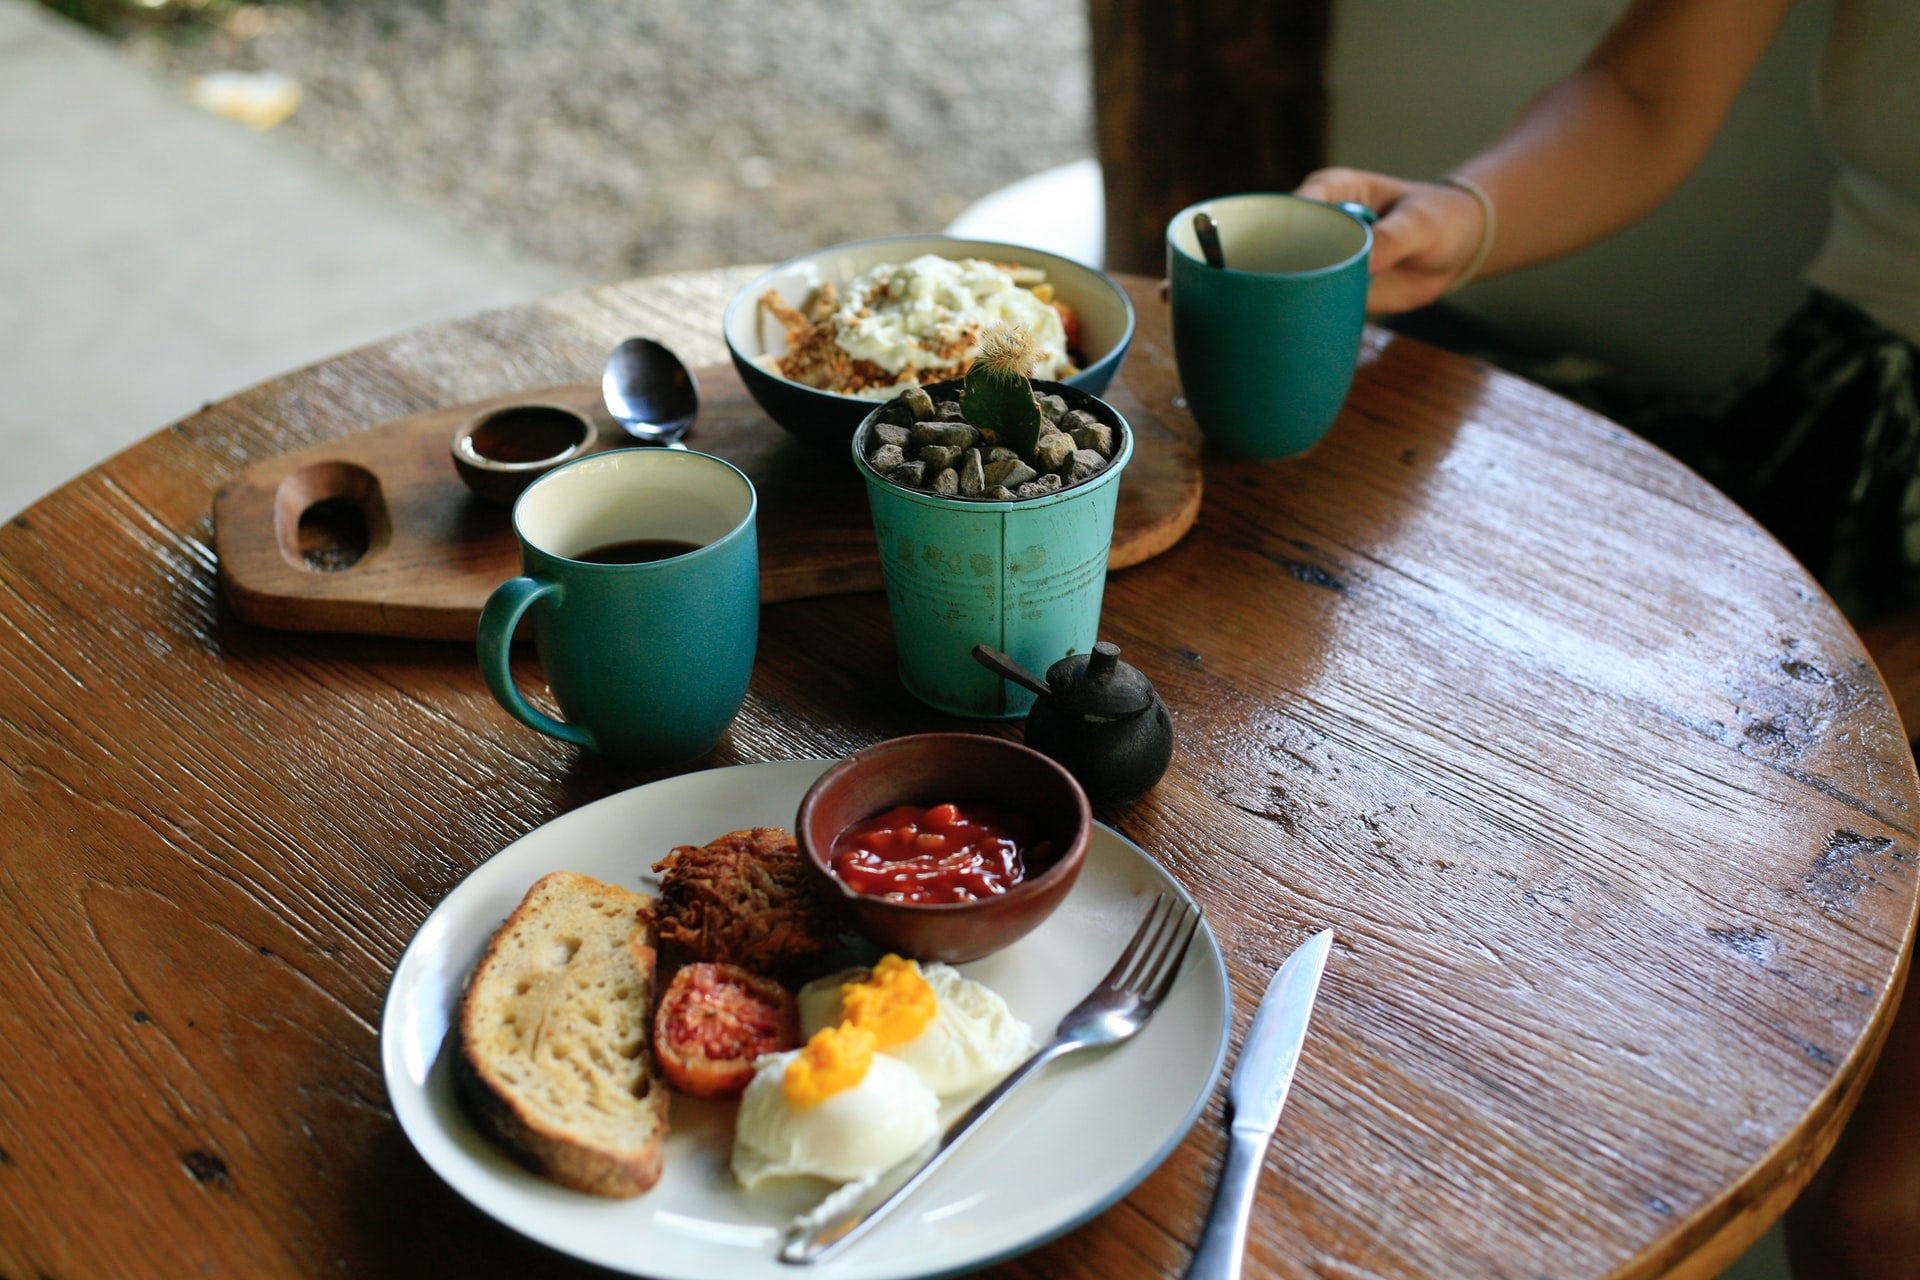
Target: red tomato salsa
936, 853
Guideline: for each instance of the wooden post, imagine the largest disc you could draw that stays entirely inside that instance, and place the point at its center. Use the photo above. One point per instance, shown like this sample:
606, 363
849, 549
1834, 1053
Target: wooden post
1198, 98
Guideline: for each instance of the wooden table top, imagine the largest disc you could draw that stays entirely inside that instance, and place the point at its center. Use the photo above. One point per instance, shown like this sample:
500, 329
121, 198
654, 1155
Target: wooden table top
1608, 809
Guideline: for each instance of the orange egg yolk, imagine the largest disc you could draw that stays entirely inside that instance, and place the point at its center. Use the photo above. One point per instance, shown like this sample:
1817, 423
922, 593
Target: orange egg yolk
890, 1006
895, 1003
835, 1059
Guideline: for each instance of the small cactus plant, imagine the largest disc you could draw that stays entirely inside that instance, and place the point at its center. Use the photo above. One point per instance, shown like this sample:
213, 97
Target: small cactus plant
997, 394
999, 441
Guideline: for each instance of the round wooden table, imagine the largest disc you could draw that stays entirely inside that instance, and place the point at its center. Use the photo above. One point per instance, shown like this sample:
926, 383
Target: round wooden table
1606, 805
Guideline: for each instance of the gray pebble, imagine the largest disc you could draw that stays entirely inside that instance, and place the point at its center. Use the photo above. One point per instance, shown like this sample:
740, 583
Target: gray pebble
1010, 473
952, 457
1098, 437
973, 478
939, 457
1084, 463
957, 434
1052, 452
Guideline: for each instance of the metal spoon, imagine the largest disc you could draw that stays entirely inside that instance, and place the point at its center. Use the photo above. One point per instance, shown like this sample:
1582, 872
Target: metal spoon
650, 392
1209, 237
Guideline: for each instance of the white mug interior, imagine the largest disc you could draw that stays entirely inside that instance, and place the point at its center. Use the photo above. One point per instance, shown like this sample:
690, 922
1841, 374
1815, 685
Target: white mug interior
627, 495
1274, 234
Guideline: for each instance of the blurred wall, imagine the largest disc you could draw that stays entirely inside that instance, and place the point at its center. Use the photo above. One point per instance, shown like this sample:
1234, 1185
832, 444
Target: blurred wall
1688, 295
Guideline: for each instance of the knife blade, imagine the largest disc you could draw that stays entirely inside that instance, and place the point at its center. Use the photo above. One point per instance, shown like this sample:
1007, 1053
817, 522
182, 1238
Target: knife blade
1256, 1093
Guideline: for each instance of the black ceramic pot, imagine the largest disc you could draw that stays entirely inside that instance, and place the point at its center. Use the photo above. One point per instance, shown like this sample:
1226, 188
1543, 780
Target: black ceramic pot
1098, 717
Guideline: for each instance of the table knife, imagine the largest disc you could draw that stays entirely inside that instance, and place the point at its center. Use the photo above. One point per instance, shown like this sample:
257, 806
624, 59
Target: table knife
1255, 1095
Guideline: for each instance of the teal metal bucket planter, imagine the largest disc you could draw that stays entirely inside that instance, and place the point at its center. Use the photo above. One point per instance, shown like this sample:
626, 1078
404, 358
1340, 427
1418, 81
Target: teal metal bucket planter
1026, 577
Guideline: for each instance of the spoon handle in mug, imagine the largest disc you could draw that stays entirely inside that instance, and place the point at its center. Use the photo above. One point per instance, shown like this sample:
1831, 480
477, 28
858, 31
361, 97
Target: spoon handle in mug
1209, 235
1006, 668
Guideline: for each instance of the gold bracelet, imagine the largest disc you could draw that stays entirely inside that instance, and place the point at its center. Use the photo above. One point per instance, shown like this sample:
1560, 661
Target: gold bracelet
1485, 202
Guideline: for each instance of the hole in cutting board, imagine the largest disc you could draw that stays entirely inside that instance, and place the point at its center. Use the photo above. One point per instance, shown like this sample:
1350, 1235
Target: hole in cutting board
329, 517
333, 535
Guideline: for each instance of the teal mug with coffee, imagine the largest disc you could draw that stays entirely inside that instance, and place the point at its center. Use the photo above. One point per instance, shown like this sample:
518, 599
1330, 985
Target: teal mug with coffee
1267, 344
640, 573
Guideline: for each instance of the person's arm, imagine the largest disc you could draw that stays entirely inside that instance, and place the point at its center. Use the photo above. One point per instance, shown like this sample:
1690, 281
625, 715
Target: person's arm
1588, 155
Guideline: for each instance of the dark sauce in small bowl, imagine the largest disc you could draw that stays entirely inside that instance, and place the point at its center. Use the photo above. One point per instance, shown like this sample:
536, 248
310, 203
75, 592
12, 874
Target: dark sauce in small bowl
528, 433
500, 453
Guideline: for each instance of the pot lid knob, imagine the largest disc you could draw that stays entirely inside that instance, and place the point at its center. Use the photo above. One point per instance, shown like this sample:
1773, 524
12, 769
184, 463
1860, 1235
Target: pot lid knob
1098, 684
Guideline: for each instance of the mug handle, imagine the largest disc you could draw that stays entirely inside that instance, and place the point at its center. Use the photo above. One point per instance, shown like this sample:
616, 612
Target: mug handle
1359, 211
498, 621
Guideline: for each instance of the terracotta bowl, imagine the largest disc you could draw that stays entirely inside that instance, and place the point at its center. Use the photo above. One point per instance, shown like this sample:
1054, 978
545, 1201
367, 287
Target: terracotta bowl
500, 452
931, 768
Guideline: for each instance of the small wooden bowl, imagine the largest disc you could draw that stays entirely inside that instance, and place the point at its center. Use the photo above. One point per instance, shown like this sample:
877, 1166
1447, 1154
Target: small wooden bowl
932, 768
500, 452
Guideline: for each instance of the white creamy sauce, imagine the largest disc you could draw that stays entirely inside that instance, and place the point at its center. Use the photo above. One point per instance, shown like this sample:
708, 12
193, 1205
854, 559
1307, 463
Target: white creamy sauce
921, 309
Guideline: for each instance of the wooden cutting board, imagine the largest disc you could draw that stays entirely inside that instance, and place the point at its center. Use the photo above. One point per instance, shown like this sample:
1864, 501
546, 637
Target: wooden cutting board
374, 533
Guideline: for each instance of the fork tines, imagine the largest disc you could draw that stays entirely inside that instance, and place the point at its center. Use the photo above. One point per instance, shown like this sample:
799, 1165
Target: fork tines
1152, 959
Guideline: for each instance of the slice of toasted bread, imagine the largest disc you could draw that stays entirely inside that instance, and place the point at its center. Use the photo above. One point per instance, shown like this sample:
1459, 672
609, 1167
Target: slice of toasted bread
554, 1059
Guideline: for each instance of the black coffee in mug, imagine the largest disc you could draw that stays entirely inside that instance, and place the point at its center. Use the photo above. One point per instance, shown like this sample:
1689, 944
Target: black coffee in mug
638, 551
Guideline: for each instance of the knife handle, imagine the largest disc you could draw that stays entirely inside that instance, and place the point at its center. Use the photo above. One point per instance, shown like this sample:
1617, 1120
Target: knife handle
1224, 1240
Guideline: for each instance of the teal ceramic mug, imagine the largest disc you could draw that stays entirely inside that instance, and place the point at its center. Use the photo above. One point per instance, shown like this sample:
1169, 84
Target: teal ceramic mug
1267, 344
640, 571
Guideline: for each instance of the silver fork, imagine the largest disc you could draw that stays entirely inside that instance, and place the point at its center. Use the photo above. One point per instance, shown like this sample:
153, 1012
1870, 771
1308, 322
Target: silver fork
1113, 1011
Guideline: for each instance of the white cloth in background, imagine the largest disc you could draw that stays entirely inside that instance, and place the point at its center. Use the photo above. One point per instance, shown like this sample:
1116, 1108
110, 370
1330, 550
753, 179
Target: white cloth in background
1867, 100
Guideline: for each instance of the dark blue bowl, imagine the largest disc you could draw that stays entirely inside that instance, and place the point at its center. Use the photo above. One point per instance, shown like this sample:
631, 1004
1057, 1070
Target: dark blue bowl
826, 419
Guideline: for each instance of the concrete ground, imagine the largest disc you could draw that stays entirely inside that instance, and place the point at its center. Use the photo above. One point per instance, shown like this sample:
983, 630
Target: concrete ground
154, 257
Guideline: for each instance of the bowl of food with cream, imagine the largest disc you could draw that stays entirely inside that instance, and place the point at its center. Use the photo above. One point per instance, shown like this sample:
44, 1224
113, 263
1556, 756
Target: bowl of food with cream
821, 339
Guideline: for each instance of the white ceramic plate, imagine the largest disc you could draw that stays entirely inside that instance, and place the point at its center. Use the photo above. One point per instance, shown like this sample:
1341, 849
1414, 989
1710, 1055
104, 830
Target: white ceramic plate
1067, 1145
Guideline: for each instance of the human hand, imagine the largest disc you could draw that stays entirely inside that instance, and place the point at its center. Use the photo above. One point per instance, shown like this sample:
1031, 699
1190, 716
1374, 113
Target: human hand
1426, 235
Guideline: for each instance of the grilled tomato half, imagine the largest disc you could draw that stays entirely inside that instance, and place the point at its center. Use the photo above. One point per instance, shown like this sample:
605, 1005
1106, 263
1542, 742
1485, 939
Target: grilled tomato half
713, 1021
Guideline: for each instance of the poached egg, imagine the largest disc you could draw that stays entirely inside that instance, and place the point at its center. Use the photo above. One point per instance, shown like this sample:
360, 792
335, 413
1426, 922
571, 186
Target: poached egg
848, 1134
972, 1041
